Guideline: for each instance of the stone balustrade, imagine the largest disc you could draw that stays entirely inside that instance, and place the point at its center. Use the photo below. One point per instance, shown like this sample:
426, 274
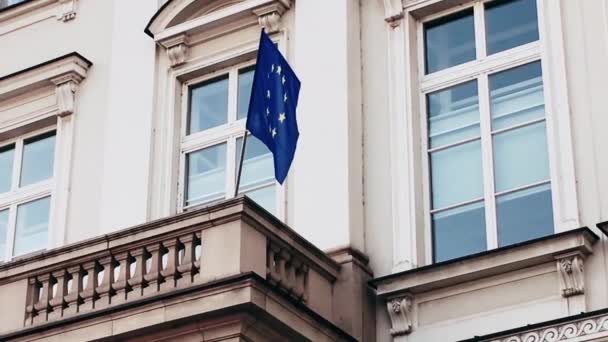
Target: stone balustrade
206, 245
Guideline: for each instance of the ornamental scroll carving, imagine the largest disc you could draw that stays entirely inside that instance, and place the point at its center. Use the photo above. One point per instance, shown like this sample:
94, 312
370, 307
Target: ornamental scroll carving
67, 10
269, 17
400, 313
65, 91
564, 332
572, 280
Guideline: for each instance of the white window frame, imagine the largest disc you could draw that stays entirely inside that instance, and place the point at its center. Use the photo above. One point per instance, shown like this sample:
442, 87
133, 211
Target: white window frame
412, 242
227, 133
17, 195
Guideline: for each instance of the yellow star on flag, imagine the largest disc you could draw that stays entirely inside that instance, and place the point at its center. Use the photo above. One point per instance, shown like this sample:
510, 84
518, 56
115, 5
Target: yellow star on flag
285, 97
268, 93
282, 117
279, 69
274, 132
267, 111
283, 80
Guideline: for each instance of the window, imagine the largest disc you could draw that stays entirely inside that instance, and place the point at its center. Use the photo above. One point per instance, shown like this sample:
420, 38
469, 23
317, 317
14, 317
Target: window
486, 128
26, 175
212, 142
7, 3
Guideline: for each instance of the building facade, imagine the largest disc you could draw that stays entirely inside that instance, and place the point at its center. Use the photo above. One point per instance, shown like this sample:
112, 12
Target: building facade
448, 185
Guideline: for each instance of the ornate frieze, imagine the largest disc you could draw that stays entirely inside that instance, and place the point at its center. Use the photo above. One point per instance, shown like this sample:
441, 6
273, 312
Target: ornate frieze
400, 313
571, 331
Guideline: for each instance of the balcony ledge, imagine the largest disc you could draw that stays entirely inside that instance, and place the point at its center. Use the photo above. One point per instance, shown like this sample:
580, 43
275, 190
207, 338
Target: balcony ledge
486, 264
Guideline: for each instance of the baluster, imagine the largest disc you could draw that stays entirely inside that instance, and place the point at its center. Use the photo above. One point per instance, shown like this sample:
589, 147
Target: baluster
137, 278
32, 299
73, 298
197, 259
284, 259
170, 272
57, 303
121, 285
104, 290
152, 276
186, 267
273, 254
89, 293
42, 304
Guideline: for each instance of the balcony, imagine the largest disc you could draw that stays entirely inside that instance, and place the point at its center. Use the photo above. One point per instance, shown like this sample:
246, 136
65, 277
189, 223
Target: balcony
227, 271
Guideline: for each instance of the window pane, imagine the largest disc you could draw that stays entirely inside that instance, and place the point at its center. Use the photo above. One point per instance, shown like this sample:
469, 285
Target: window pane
453, 114
459, 231
520, 157
516, 95
258, 167
32, 226
206, 178
510, 24
245, 84
456, 174
38, 156
264, 197
524, 215
3, 232
7, 154
449, 41
208, 105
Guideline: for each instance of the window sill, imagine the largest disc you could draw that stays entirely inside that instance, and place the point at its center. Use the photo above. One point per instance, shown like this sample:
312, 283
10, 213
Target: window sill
486, 264
26, 13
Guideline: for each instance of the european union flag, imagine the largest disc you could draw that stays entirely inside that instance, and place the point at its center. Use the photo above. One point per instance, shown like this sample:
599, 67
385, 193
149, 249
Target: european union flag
272, 106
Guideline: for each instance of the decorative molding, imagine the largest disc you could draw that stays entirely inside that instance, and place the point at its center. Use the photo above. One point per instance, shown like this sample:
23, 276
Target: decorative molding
400, 313
177, 49
591, 328
67, 10
269, 16
65, 91
570, 268
393, 12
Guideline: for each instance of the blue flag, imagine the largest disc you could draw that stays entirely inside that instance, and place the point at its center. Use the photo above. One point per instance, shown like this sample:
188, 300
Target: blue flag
272, 106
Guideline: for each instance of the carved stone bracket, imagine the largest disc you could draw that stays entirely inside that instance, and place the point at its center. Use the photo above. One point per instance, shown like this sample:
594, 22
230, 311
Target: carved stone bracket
65, 90
177, 49
400, 313
570, 268
269, 16
67, 10
393, 12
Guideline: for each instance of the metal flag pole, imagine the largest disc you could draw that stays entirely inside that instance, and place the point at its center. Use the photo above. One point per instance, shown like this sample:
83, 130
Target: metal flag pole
238, 177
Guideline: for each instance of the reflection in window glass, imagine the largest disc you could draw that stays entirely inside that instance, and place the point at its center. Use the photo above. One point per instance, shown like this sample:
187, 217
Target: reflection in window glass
208, 105
32, 226
3, 232
456, 175
245, 84
453, 114
38, 157
524, 215
264, 197
510, 24
7, 155
459, 231
449, 41
516, 95
206, 174
520, 157
258, 169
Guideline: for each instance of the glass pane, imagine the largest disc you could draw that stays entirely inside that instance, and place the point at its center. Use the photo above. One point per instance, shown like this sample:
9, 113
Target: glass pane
459, 231
38, 156
510, 24
264, 197
456, 174
7, 155
524, 215
206, 178
516, 95
245, 84
208, 105
453, 114
32, 226
520, 157
3, 232
449, 41
258, 167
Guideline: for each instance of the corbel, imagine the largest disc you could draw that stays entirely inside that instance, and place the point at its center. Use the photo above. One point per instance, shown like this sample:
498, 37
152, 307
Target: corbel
400, 313
393, 12
177, 49
269, 16
571, 273
65, 91
67, 10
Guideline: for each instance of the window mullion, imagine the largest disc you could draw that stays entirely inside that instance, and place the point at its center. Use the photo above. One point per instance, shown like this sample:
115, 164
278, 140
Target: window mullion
12, 224
487, 162
480, 31
17, 165
232, 94
231, 165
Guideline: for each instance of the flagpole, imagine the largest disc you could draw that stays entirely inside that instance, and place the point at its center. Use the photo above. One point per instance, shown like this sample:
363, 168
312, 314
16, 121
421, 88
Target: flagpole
238, 177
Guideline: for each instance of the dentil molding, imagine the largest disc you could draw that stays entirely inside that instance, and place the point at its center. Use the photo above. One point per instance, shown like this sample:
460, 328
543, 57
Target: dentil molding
400, 313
